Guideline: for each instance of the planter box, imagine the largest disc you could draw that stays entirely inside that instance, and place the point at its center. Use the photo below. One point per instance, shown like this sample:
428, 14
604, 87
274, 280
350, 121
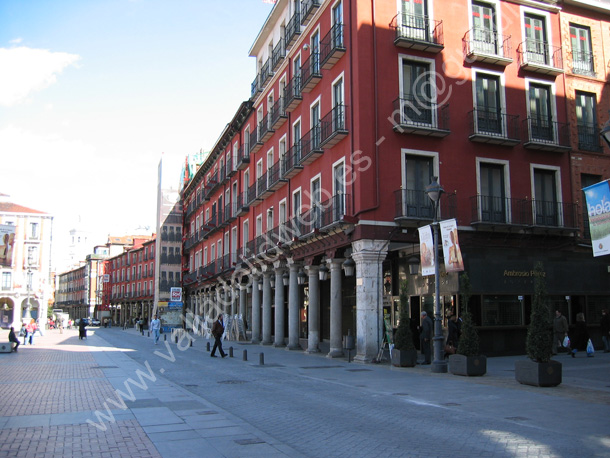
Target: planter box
468, 365
404, 358
529, 372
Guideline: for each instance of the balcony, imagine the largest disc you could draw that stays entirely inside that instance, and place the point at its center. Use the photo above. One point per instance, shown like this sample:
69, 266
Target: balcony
266, 73
274, 178
420, 117
252, 194
241, 205
311, 73
413, 206
222, 173
540, 57
583, 63
243, 156
311, 147
483, 45
262, 189
293, 29
278, 54
230, 166
256, 87
210, 225
495, 127
333, 126
292, 93
255, 143
291, 162
278, 114
336, 210
332, 47
588, 138
308, 8
265, 129
418, 32
230, 212
545, 135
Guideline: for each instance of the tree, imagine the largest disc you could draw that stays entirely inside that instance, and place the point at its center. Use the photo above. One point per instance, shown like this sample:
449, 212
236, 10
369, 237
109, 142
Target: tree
469, 339
403, 340
539, 343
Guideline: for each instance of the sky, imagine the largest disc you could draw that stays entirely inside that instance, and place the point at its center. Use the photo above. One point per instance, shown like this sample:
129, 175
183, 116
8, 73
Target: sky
94, 92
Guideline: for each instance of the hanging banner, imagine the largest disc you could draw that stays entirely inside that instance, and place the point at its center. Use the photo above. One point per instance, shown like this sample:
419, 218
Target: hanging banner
426, 250
598, 209
451, 246
7, 240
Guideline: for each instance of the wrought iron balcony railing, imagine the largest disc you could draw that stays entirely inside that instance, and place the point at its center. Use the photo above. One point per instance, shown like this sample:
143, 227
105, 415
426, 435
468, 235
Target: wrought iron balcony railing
544, 134
484, 45
588, 138
541, 57
416, 115
418, 32
332, 47
494, 126
583, 63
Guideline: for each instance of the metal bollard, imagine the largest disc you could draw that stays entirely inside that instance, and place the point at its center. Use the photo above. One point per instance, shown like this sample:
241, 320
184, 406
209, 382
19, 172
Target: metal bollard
191, 342
207, 346
165, 337
176, 338
261, 359
230, 352
245, 357
148, 334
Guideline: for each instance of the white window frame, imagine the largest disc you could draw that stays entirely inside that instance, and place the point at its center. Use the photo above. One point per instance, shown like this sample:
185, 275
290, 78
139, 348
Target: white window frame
507, 192
551, 84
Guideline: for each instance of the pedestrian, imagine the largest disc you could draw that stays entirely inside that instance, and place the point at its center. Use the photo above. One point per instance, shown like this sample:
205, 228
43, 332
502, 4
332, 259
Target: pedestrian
560, 330
23, 332
604, 326
30, 329
453, 333
425, 337
60, 325
82, 329
13, 338
155, 326
580, 336
218, 329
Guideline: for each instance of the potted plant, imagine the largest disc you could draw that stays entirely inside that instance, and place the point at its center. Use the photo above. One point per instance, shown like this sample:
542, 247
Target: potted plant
539, 370
467, 360
404, 353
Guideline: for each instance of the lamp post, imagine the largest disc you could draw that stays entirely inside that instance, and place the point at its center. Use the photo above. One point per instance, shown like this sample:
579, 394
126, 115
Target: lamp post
605, 133
434, 191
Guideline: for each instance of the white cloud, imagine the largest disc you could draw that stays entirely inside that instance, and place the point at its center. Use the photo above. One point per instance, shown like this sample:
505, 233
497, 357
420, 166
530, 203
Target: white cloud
16, 41
27, 70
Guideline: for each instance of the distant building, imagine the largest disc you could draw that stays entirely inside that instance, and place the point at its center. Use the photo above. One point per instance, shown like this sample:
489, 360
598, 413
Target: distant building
25, 263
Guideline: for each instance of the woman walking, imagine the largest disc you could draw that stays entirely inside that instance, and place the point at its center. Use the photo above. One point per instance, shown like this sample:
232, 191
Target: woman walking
580, 335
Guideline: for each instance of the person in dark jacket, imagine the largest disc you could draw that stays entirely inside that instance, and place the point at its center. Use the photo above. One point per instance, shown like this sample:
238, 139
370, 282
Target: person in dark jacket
426, 337
604, 327
13, 338
82, 329
218, 329
580, 335
453, 332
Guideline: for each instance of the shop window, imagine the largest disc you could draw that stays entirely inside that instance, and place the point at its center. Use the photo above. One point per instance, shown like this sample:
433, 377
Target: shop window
501, 311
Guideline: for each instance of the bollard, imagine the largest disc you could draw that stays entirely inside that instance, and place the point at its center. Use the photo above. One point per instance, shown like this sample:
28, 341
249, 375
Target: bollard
165, 337
261, 359
207, 346
176, 339
230, 352
191, 342
148, 334
245, 357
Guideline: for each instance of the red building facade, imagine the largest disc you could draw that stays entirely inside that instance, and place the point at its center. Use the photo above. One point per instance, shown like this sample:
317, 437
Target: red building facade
356, 106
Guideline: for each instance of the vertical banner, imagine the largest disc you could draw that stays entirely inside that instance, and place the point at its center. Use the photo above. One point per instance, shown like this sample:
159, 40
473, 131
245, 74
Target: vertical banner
451, 246
598, 209
7, 240
426, 250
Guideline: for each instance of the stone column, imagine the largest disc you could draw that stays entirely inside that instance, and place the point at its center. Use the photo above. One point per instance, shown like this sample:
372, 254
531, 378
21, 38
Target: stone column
313, 313
280, 268
243, 296
267, 305
234, 294
256, 309
336, 304
368, 256
294, 305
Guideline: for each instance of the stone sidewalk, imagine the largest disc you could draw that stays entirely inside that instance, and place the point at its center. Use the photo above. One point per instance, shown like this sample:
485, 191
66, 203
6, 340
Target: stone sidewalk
65, 397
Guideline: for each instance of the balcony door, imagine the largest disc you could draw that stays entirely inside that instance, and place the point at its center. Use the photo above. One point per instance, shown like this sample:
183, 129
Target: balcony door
492, 199
338, 116
586, 121
416, 96
316, 200
541, 115
535, 40
315, 53
315, 126
414, 19
338, 191
418, 175
546, 205
484, 28
337, 35
582, 53
489, 105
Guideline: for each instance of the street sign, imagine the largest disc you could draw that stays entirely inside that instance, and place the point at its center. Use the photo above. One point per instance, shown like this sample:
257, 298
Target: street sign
175, 294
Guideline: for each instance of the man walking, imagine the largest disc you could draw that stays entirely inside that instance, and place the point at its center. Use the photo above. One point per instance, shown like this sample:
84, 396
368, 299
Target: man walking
426, 337
560, 330
155, 326
218, 329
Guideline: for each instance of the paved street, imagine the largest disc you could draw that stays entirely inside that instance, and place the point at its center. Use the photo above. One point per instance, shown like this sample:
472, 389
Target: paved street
117, 394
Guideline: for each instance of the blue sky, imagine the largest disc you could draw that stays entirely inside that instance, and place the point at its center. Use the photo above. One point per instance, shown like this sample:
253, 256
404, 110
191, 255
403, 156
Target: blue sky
92, 92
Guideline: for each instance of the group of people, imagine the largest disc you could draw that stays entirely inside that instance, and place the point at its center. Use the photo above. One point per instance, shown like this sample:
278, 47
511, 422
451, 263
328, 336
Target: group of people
578, 339
426, 332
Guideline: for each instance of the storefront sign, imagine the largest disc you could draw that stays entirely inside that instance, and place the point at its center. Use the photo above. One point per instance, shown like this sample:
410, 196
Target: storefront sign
598, 209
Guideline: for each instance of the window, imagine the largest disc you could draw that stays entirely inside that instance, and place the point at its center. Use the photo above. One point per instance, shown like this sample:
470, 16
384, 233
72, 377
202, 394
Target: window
416, 94
296, 203
259, 225
546, 205
337, 18
269, 219
540, 112
316, 199
245, 237
418, 175
414, 20
492, 201
296, 135
338, 117
536, 44
586, 121
582, 52
7, 281
315, 53
484, 36
488, 104
33, 230
315, 126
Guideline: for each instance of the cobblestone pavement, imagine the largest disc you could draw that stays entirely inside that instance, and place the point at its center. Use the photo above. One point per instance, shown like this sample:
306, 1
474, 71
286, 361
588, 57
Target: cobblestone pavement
184, 403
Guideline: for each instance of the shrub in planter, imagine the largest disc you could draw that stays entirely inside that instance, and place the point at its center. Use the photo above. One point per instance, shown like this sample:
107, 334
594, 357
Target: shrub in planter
540, 370
467, 360
404, 353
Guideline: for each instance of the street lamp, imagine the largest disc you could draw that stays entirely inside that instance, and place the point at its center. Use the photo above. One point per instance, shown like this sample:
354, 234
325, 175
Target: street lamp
605, 132
434, 191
